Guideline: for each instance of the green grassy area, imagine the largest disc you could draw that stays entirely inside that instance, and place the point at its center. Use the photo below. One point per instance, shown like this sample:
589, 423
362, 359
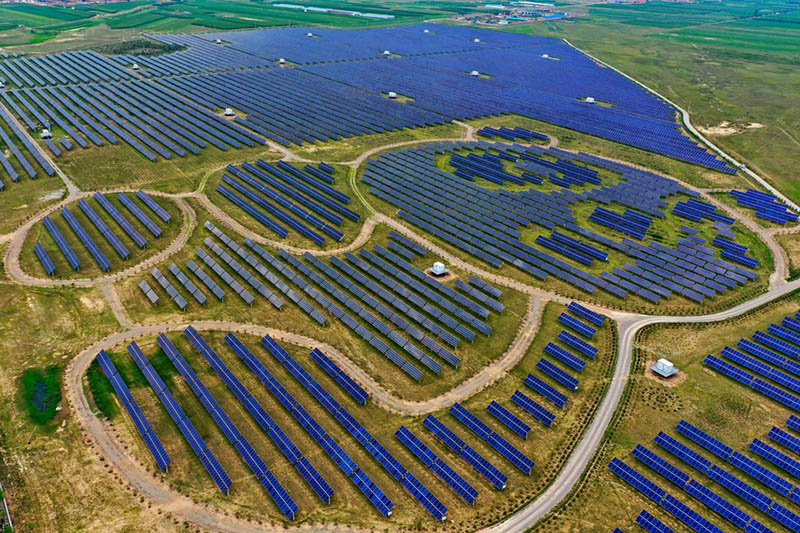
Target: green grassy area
122, 19
120, 165
474, 356
40, 329
720, 406
41, 390
350, 148
791, 244
350, 229
89, 268
724, 62
547, 446
102, 393
27, 197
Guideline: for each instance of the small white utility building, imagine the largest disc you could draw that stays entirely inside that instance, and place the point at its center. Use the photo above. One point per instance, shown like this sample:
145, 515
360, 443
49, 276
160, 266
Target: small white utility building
664, 368
229, 112
438, 269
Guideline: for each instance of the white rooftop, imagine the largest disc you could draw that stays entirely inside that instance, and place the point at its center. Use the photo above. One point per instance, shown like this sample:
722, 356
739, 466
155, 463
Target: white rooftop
664, 368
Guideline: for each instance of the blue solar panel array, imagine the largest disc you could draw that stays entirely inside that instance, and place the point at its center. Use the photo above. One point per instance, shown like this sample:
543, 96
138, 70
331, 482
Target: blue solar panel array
132, 406
528, 404
62, 243
390, 463
736, 485
198, 444
488, 224
521, 461
773, 355
508, 419
332, 448
435, 463
466, 452
340, 376
292, 453
546, 390
44, 259
104, 229
767, 205
253, 460
88, 242
652, 524
120, 219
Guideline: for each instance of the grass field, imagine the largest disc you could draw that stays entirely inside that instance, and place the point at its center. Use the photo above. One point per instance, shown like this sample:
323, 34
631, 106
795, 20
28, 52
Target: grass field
724, 62
108, 167
546, 446
348, 149
43, 465
725, 408
89, 267
27, 197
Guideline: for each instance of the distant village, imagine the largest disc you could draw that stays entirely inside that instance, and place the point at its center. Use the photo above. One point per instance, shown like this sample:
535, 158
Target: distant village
516, 12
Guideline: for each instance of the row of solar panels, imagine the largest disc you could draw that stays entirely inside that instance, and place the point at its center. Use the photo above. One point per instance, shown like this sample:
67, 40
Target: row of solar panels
104, 229
150, 119
228, 427
407, 295
329, 445
390, 463
468, 202
511, 134
187, 428
734, 484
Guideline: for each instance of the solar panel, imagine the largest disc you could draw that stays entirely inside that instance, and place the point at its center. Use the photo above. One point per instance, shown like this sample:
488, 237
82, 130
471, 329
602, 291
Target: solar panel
132, 407
206, 456
62, 243
662, 466
342, 378
473, 458
529, 405
522, 462
689, 517
557, 374
776, 457
704, 439
442, 469
652, 524
44, 259
717, 503
508, 419
577, 325
637, 480
742, 489
683, 452
256, 464
546, 390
